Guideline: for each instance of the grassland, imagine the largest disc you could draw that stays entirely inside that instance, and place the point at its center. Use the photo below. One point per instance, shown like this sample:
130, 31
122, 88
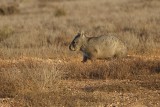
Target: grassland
38, 70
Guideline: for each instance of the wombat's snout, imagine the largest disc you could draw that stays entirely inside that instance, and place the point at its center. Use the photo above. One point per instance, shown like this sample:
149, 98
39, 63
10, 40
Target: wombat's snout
71, 48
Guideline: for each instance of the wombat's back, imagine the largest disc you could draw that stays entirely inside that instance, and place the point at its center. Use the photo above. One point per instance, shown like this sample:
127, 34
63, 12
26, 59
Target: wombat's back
107, 46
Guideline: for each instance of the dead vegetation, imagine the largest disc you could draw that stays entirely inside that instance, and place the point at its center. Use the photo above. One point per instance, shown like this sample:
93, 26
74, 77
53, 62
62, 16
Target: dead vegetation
8, 8
128, 68
45, 82
60, 12
5, 33
38, 70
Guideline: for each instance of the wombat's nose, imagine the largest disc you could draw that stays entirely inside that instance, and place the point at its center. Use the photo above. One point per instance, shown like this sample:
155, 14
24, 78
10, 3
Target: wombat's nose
70, 48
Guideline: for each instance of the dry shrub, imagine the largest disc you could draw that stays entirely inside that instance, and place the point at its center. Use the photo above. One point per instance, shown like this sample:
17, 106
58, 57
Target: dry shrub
84, 71
60, 12
7, 87
117, 69
131, 69
7, 9
28, 76
5, 33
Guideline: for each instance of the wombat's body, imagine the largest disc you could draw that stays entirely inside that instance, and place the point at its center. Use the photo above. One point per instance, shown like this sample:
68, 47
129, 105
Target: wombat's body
101, 47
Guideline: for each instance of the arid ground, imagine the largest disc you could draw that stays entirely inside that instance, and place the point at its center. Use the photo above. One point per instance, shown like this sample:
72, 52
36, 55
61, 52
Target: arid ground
38, 70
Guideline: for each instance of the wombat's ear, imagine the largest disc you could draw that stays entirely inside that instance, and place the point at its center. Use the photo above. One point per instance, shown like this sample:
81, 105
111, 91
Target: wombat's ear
82, 34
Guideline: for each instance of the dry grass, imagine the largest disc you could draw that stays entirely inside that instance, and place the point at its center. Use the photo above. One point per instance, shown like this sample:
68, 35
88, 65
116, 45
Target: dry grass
8, 8
38, 70
5, 33
127, 68
60, 12
137, 28
45, 82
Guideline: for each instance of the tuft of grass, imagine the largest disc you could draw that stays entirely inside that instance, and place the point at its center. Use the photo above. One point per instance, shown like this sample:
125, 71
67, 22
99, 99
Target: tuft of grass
117, 69
5, 33
60, 12
25, 77
8, 9
7, 87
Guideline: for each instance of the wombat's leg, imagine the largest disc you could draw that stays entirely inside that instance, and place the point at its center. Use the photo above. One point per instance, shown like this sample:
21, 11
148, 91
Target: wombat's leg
119, 55
84, 58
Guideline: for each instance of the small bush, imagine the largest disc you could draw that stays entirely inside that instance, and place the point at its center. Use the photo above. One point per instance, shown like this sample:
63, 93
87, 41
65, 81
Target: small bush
118, 69
8, 9
5, 32
7, 87
60, 12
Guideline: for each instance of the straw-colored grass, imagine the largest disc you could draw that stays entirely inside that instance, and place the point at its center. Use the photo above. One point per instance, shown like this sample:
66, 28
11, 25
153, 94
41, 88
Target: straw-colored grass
38, 70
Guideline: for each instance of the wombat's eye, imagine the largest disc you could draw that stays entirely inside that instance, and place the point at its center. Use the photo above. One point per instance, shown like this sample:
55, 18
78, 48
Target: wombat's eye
75, 42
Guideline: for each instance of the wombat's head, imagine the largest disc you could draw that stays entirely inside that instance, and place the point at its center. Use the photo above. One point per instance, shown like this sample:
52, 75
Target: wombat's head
77, 42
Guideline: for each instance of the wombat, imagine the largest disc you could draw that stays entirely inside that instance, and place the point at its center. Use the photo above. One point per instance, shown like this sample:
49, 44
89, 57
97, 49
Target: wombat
102, 47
